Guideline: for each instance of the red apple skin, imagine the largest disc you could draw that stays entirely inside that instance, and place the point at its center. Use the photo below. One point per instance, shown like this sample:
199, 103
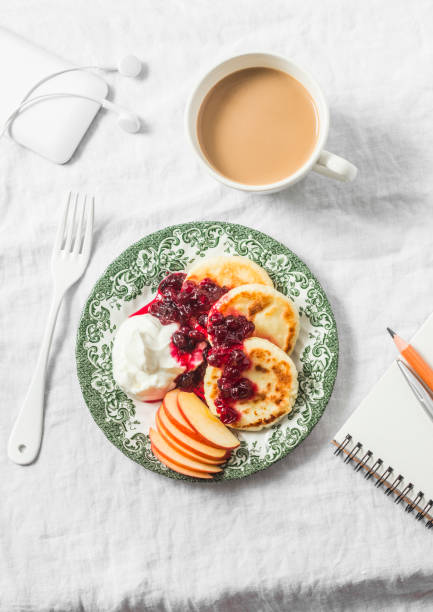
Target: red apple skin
181, 449
176, 417
205, 423
177, 468
191, 444
168, 452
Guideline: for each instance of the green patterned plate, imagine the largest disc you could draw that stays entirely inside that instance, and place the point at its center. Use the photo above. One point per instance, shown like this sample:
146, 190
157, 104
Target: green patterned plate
128, 284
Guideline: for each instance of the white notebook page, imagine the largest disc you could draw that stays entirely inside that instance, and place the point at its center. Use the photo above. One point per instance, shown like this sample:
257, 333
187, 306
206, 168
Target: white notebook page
393, 426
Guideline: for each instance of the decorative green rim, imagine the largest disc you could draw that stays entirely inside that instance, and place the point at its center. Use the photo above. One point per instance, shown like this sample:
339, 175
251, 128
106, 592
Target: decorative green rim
138, 270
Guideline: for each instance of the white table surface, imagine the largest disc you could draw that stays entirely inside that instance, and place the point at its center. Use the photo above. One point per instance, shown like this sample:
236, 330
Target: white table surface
85, 528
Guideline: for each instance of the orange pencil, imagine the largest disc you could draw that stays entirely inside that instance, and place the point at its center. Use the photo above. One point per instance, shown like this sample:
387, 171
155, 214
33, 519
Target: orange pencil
414, 359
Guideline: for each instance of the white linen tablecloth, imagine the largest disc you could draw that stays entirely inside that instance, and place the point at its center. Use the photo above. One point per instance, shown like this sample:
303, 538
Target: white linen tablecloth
86, 529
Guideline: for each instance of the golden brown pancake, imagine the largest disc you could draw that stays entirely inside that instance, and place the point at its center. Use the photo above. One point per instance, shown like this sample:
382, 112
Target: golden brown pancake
229, 271
274, 315
276, 380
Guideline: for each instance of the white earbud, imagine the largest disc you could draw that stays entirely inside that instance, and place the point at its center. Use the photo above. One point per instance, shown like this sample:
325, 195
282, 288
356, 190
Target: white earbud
126, 120
129, 66
129, 123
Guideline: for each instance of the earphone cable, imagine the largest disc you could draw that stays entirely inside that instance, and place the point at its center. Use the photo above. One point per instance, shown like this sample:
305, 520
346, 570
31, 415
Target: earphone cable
60, 72
31, 101
129, 66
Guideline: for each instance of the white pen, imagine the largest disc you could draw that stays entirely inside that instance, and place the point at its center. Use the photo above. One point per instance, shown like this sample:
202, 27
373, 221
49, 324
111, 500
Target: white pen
419, 389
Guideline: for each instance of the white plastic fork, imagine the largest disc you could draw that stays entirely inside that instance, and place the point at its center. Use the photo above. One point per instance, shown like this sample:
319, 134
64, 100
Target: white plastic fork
69, 260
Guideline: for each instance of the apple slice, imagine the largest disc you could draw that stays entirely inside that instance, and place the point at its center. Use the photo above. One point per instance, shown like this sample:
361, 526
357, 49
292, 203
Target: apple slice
176, 417
182, 449
191, 444
204, 422
177, 468
168, 452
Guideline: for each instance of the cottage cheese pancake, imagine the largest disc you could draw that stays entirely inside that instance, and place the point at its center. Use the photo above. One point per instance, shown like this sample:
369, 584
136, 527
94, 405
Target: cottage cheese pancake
275, 378
229, 271
274, 315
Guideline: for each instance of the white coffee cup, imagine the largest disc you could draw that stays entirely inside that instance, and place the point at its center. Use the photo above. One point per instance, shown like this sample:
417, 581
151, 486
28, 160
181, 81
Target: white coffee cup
320, 161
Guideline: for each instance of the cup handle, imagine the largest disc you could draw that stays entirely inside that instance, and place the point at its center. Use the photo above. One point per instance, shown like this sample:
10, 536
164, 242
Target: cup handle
335, 167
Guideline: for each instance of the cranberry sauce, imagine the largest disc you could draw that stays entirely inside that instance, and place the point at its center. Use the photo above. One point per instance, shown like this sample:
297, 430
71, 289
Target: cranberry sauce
189, 304
227, 335
186, 303
192, 380
145, 308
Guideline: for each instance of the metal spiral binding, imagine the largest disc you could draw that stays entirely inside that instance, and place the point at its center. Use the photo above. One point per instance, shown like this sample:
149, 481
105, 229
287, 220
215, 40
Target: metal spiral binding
373, 470
404, 493
425, 511
340, 448
366, 458
394, 485
391, 488
387, 473
353, 453
411, 507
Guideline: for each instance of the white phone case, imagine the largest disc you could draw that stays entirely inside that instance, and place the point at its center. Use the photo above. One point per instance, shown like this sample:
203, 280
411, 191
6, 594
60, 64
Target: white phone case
52, 128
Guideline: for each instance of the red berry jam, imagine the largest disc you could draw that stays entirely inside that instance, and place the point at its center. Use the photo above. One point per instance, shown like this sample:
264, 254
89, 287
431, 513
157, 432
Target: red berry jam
228, 331
182, 301
227, 335
192, 380
227, 413
188, 304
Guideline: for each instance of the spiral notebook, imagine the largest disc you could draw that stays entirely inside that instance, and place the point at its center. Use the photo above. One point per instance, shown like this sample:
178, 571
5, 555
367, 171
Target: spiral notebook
389, 438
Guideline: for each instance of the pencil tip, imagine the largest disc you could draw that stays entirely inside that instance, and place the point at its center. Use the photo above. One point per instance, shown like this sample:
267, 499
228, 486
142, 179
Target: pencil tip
391, 333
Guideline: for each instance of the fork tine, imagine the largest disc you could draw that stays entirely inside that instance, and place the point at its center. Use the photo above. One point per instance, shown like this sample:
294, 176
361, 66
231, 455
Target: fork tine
62, 225
71, 224
79, 233
87, 242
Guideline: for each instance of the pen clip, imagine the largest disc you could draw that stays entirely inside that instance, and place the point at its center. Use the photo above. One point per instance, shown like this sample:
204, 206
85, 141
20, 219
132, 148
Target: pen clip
422, 393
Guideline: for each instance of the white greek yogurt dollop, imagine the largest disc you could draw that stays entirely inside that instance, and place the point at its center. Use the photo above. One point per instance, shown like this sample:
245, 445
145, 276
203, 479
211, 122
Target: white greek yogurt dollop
142, 363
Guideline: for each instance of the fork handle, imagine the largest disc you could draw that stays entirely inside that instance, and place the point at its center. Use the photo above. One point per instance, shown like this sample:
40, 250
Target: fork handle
26, 436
